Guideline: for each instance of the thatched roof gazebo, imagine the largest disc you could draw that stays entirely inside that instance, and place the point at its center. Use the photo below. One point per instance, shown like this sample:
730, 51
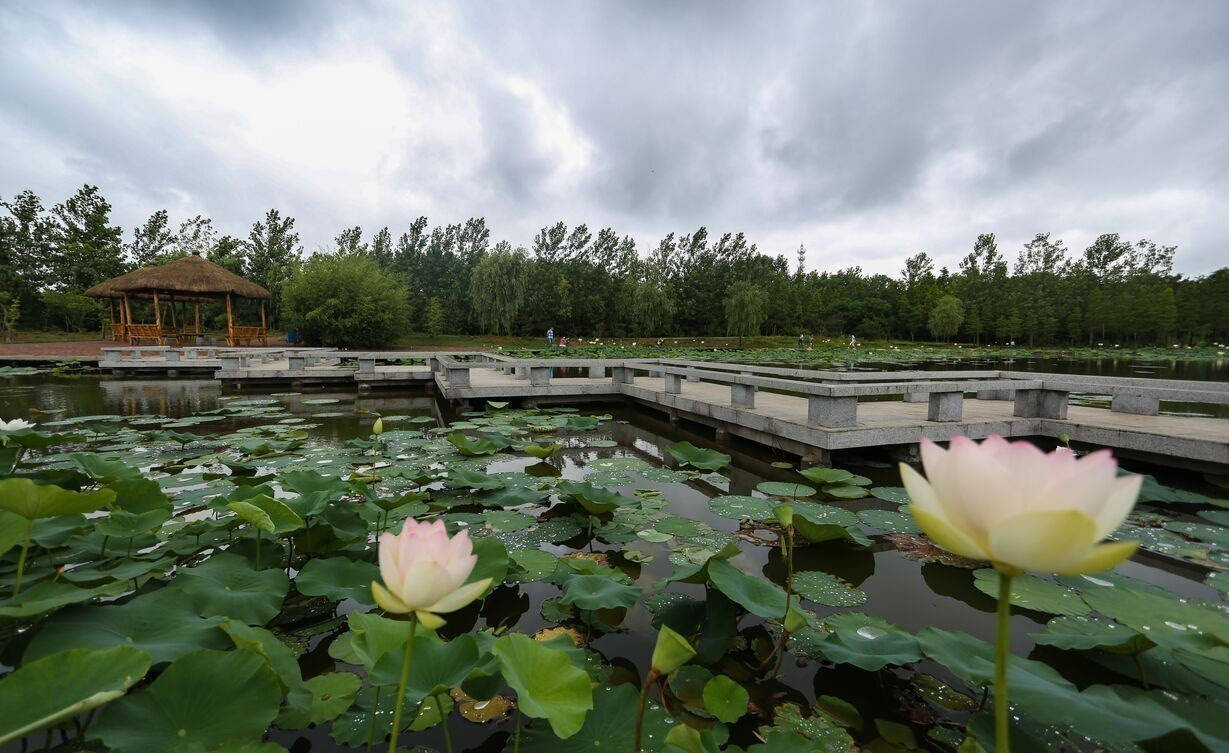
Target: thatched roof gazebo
189, 279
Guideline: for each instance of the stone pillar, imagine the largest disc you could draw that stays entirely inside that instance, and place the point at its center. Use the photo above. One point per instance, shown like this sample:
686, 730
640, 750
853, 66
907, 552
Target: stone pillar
622, 375
172, 356
366, 365
674, 384
230, 362
916, 397
458, 376
434, 363
945, 406
297, 362
742, 395
597, 372
817, 456
539, 376
1041, 404
521, 372
691, 376
1140, 405
832, 412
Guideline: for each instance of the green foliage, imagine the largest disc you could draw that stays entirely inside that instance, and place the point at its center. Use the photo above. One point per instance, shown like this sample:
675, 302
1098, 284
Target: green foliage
497, 287
946, 317
343, 301
746, 308
435, 322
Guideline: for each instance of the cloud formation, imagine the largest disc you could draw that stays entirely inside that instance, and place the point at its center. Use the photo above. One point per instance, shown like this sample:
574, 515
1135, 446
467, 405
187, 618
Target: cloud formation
866, 131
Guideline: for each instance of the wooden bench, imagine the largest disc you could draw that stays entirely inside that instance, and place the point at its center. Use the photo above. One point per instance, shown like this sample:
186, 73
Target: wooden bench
138, 332
239, 336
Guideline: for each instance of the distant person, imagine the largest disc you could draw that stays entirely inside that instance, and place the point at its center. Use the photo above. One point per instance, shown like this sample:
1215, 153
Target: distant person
550, 337
853, 341
801, 340
563, 342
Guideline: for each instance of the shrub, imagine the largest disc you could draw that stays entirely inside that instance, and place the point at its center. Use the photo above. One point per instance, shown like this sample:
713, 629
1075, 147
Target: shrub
345, 301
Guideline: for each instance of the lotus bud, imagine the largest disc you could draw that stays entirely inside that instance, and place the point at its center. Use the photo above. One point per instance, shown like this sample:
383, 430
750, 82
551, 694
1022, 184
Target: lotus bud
671, 652
378, 427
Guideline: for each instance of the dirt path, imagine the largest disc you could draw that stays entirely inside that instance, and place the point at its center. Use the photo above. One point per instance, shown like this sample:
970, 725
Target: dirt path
90, 349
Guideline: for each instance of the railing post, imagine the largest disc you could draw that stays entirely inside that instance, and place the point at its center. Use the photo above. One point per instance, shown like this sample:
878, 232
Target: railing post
674, 384
622, 375
833, 412
296, 362
539, 376
1140, 405
521, 372
945, 406
1041, 404
366, 365
458, 376
742, 395
172, 356
230, 362
597, 372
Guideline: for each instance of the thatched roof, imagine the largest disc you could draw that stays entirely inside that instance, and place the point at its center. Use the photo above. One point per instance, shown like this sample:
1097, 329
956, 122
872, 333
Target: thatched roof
187, 278
110, 289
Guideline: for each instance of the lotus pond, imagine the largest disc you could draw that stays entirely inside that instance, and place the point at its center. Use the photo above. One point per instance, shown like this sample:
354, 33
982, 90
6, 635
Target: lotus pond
198, 566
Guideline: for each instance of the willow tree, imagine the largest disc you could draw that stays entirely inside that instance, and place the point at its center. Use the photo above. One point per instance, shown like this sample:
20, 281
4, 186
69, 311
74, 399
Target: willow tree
497, 288
746, 308
946, 317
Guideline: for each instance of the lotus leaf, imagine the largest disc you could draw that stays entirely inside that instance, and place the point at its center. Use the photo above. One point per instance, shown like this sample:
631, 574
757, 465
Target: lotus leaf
60, 686
161, 623
687, 453
226, 585
205, 698
337, 578
547, 684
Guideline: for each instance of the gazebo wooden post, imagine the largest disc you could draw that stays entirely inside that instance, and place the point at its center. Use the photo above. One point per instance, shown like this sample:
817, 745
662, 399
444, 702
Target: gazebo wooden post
111, 315
128, 314
230, 322
264, 329
174, 320
198, 318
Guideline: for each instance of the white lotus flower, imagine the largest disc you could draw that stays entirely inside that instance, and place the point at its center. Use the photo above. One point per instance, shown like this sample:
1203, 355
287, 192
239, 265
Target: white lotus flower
16, 424
1020, 508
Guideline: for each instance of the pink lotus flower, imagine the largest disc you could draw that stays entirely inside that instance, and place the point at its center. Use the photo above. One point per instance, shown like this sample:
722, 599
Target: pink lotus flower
424, 572
1013, 505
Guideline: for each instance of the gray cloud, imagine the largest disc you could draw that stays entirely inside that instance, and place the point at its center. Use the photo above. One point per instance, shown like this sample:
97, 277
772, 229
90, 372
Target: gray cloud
866, 131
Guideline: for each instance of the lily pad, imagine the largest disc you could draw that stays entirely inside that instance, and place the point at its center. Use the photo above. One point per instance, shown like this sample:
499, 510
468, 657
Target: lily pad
687, 453
1031, 592
829, 590
742, 507
58, 687
785, 489
205, 698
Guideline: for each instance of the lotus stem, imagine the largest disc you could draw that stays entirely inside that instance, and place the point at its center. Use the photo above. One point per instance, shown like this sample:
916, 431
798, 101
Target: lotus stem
375, 710
789, 589
1002, 738
257, 548
644, 699
405, 677
21, 561
516, 738
444, 722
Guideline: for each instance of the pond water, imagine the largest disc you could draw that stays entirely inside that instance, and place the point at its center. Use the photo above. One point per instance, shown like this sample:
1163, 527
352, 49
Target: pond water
882, 567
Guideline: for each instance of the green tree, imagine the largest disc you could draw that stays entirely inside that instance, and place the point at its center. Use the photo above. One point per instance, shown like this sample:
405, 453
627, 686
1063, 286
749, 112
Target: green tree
272, 255
343, 301
435, 318
153, 241
946, 317
87, 245
25, 251
228, 253
746, 307
497, 287
73, 311
10, 313
654, 309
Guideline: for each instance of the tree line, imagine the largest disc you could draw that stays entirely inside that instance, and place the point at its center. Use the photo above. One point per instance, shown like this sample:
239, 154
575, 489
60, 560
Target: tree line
453, 278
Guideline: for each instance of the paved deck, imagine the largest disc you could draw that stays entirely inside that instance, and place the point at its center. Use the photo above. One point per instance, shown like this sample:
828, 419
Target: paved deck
781, 419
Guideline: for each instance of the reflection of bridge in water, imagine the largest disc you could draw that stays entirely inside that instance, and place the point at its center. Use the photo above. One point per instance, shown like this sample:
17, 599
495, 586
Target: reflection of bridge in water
806, 412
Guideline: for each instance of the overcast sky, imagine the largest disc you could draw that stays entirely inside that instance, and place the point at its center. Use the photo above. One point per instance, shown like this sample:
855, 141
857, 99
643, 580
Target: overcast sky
866, 131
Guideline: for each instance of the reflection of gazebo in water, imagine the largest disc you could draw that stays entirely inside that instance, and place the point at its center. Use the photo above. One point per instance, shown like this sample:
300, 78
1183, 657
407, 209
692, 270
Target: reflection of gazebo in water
190, 279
